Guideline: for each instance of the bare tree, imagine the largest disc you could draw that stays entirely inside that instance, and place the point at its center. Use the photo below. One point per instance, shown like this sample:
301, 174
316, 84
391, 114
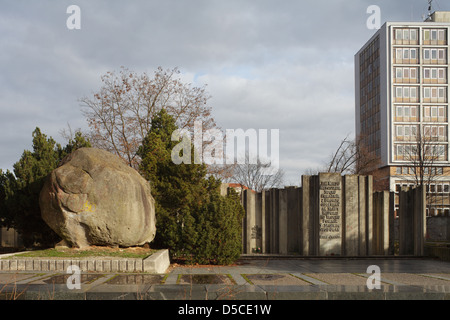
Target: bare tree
258, 177
119, 114
352, 157
343, 159
422, 157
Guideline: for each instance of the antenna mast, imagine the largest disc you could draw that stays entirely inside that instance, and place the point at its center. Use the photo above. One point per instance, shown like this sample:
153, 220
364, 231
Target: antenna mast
430, 10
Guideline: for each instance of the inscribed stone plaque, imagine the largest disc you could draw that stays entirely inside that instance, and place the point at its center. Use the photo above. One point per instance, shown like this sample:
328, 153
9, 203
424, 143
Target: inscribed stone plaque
330, 213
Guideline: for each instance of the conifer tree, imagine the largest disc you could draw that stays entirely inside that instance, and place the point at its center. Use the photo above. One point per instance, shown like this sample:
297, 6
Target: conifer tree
19, 191
192, 218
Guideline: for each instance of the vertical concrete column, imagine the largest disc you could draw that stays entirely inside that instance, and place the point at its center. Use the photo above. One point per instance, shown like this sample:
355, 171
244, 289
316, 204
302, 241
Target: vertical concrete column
257, 227
362, 212
274, 220
368, 186
420, 222
294, 231
382, 213
412, 217
391, 227
378, 220
305, 216
310, 215
386, 222
249, 200
351, 216
263, 222
406, 214
267, 209
283, 222
314, 212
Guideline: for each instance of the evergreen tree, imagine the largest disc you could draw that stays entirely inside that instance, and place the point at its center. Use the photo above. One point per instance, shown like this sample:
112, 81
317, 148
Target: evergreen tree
19, 192
192, 218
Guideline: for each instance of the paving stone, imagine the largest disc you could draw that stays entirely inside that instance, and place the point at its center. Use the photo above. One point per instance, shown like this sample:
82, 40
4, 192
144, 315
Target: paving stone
339, 278
205, 279
276, 280
8, 278
414, 279
136, 279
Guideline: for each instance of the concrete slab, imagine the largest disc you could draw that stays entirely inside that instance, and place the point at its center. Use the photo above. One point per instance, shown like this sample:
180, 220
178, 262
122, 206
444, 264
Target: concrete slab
308, 279
126, 279
205, 279
443, 276
275, 280
415, 279
339, 278
8, 278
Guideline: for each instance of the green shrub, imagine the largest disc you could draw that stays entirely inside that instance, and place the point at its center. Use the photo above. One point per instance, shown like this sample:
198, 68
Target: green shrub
219, 230
193, 220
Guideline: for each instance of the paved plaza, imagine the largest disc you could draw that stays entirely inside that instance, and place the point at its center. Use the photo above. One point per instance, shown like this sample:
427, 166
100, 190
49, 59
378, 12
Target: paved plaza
248, 279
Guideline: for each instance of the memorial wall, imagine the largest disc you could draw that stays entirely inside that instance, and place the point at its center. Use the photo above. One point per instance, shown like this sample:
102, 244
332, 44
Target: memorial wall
329, 215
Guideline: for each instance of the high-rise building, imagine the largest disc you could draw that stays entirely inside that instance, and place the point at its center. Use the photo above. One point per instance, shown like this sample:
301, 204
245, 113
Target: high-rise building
402, 106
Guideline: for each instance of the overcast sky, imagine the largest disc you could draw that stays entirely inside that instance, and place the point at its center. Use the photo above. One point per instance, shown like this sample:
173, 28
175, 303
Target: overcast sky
267, 64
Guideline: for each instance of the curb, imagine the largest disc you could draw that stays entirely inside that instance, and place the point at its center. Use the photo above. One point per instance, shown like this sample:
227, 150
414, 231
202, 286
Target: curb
156, 263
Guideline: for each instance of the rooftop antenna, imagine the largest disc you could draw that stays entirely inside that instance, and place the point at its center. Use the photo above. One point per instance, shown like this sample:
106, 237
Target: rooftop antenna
430, 10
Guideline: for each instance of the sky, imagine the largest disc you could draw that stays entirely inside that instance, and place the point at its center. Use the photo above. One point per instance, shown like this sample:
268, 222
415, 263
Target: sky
286, 65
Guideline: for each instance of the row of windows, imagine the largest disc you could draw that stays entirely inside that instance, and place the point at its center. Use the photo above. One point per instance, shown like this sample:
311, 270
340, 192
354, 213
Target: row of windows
429, 94
442, 211
429, 113
429, 55
434, 92
434, 73
405, 92
430, 75
405, 34
428, 34
434, 34
412, 171
406, 113
431, 211
410, 152
410, 131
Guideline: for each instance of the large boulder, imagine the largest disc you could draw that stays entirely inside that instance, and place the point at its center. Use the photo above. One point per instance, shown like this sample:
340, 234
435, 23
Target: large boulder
94, 198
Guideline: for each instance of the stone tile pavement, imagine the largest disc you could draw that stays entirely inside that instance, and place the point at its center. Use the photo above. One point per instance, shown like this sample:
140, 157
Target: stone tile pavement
249, 279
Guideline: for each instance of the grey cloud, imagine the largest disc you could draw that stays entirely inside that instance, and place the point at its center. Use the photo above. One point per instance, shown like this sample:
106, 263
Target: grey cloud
268, 64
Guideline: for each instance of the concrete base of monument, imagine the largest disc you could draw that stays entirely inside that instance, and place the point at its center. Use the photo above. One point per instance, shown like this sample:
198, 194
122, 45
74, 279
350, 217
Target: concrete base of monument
156, 263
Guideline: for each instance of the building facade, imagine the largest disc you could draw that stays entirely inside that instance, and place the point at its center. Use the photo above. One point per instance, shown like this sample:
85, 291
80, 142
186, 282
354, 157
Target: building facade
402, 106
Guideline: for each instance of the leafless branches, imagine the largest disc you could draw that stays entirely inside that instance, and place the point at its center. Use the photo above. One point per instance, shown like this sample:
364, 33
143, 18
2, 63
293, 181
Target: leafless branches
119, 114
258, 177
352, 157
422, 155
